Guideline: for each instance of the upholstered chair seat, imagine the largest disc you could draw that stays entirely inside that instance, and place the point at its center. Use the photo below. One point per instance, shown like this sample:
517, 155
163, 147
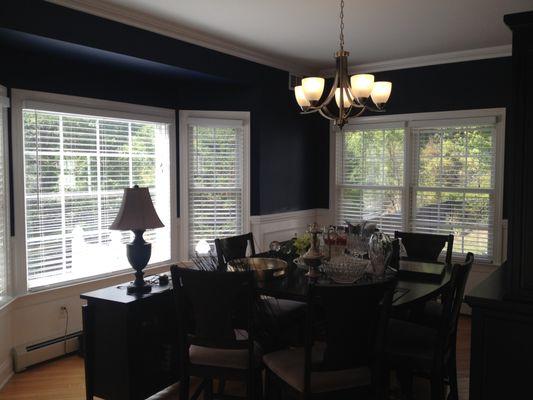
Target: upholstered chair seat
223, 358
411, 343
288, 365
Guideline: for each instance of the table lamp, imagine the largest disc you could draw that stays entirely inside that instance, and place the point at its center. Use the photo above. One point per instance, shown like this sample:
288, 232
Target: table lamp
137, 213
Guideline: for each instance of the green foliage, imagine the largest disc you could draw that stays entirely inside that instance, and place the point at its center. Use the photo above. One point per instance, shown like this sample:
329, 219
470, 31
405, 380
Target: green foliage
302, 243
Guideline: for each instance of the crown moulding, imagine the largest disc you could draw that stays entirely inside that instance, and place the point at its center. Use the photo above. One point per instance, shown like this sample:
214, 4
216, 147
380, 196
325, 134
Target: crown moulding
424, 61
147, 22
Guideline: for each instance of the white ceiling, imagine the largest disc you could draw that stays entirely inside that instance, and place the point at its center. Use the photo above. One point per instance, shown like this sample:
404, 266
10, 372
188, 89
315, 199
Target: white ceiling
304, 33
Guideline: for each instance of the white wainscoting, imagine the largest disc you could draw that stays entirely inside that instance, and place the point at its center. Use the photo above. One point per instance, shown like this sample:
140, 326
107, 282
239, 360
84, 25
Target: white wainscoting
282, 226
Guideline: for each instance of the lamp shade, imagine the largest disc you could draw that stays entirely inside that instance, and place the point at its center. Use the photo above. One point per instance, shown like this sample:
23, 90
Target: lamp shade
137, 212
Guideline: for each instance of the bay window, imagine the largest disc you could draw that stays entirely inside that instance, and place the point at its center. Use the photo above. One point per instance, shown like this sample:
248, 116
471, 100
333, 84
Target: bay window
214, 171
76, 163
4, 226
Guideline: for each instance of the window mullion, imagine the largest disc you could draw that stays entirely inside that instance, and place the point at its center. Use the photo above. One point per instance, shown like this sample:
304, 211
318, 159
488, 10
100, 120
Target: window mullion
130, 157
62, 194
98, 182
408, 171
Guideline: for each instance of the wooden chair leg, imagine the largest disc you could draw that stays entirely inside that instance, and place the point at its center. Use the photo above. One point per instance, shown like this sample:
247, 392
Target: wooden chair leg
437, 386
258, 384
268, 384
405, 378
184, 388
208, 390
221, 386
452, 376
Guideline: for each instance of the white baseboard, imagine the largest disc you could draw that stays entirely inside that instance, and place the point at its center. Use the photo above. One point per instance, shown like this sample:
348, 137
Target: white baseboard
6, 371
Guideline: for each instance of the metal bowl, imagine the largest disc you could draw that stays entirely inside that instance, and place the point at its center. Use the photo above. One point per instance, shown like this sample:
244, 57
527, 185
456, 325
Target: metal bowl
264, 268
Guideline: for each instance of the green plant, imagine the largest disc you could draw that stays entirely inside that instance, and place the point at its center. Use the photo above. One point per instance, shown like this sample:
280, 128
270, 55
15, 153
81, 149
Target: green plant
302, 243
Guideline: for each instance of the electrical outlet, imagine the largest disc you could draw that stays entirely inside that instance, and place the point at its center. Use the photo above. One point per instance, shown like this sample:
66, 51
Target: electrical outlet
62, 312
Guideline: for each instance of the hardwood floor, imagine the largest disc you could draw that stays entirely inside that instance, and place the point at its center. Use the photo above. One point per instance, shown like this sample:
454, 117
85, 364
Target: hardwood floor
63, 379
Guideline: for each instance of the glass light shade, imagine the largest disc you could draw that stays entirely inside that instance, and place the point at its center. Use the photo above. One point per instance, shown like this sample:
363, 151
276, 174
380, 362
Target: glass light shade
202, 247
381, 92
300, 97
313, 88
345, 99
362, 85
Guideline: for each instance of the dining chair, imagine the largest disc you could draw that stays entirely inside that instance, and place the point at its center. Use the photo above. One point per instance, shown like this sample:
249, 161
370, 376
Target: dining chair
349, 360
416, 349
210, 347
287, 314
230, 248
426, 247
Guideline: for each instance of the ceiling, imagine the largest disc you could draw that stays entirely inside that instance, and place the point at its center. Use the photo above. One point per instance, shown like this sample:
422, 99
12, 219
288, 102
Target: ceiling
304, 33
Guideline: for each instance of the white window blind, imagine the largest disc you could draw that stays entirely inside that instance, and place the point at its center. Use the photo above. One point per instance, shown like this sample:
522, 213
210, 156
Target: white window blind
215, 181
76, 167
370, 176
454, 186
433, 176
3, 202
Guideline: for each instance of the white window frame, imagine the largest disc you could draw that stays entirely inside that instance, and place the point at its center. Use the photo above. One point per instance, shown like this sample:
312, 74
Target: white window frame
5, 105
184, 116
408, 120
78, 105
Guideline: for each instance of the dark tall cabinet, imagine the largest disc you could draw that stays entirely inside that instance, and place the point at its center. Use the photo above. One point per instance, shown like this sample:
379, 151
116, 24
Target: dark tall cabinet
502, 306
520, 193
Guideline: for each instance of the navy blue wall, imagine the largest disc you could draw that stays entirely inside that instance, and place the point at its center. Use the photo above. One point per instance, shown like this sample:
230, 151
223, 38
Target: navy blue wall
54, 49
65, 51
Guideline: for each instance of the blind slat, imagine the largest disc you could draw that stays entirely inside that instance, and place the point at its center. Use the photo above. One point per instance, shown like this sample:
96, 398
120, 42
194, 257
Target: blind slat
215, 179
451, 180
76, 167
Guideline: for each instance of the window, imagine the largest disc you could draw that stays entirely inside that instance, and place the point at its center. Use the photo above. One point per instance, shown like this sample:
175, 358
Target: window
76, 166
370, 178
425, 175
216, 197
453, 185
4, 228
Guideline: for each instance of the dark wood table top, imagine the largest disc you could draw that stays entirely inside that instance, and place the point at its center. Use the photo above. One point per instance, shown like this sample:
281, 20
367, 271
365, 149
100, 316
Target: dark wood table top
409, 291
292, 286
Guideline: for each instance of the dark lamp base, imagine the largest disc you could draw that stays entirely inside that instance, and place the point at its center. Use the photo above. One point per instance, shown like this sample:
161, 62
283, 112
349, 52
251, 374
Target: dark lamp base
141, 289
139, 253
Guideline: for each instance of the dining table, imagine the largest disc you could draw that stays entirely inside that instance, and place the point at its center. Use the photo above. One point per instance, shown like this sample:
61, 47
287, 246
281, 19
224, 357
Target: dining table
410, 289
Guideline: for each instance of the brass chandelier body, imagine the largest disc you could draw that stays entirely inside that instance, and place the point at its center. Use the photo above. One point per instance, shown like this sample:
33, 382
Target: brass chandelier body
353, 95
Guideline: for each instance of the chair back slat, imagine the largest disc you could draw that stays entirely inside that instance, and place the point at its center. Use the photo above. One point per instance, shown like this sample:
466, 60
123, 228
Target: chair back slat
426, 247
355, 322
209, 303
452, 299
231, 248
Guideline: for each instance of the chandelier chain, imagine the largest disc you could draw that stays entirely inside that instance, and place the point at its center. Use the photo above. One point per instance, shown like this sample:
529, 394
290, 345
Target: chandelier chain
341, 37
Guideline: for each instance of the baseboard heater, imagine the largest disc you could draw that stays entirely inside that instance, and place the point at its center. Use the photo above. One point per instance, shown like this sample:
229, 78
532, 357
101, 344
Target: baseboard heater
27, 355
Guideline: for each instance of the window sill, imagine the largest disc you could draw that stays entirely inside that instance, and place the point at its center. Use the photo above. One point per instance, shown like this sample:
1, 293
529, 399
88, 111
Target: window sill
5, 301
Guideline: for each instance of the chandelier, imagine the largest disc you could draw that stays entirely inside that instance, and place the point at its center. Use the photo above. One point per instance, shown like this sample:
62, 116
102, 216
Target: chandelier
353, 95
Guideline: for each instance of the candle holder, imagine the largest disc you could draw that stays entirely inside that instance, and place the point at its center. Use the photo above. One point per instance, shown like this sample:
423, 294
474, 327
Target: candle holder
313, 257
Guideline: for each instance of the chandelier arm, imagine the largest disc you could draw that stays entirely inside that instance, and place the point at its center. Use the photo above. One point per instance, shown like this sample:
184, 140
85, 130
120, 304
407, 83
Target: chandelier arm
326, 113
357, 113
354, 101
309, 111
331, 94
374, 109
